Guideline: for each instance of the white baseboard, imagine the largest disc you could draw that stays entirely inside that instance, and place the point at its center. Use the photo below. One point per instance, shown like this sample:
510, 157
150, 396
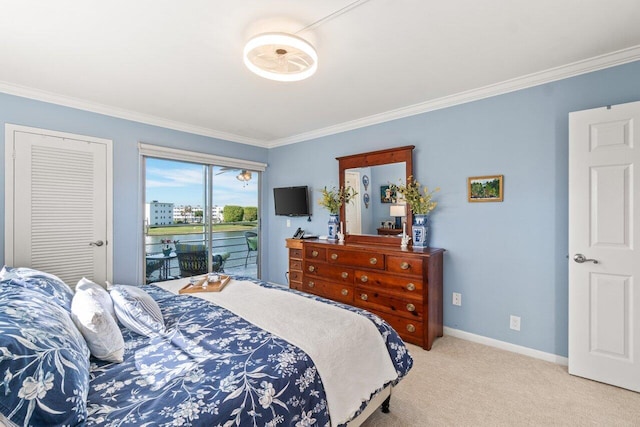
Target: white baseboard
554, 358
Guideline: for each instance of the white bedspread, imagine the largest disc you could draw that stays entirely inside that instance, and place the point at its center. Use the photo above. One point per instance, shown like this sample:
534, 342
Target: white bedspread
351, 366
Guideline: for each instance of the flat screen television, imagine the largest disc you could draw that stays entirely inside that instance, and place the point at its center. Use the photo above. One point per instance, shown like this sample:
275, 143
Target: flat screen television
291, 201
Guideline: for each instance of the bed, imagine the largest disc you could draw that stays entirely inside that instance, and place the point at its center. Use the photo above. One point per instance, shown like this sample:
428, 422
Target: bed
253, 354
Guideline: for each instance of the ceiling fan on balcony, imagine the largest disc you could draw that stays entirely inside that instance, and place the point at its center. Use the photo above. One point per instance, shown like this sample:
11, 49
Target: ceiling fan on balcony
244, 176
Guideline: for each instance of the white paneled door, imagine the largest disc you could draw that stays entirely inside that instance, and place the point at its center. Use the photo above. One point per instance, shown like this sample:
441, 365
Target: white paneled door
58, 207
604, 261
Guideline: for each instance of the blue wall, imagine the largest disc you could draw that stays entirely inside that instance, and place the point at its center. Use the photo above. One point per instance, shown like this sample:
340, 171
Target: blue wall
505, 258
126, 165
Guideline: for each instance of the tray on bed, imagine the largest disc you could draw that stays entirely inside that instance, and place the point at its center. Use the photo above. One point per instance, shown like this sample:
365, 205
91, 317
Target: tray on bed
210, 287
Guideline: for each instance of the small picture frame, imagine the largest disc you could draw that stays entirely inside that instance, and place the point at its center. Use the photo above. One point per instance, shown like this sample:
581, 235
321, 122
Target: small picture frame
489, 188
386, 194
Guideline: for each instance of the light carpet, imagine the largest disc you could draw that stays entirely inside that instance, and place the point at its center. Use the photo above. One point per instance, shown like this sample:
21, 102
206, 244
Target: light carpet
461, 383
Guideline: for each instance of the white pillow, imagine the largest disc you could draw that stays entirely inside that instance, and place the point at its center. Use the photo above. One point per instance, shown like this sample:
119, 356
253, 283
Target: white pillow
99, 329
136, 310
99, 293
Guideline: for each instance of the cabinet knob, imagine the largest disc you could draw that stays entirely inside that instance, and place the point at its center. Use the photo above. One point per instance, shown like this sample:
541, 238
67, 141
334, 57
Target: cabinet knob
334, 256
411, 328
344, 274
411, 287
373, 261
311, 283
411, 307
314, 254
344, 292
405, 265
364, 297
364, 279
311, 268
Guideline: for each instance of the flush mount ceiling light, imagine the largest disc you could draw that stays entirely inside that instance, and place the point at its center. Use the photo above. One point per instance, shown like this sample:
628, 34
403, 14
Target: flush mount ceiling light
280, 56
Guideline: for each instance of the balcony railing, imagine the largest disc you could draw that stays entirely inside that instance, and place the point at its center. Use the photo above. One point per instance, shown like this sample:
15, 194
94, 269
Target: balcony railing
233, 250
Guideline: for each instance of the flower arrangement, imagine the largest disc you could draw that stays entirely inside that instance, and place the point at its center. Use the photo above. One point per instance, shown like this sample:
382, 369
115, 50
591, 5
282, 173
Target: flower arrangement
166, 243
418, 198
333, 198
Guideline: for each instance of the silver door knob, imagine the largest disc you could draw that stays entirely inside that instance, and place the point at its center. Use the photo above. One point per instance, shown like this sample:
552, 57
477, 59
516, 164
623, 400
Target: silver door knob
579, 258
97, 243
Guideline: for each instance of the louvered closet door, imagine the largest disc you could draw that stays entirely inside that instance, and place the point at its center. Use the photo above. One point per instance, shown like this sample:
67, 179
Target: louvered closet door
60, 210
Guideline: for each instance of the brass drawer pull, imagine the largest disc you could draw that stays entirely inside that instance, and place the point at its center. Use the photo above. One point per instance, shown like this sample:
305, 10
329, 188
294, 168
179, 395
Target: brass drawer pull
411, 287
405, 265
344, 274
411, 307
364, 297
373, 261
345, 292
311, 284
314, 254
364, 279
311, 268
411, 328
334, 256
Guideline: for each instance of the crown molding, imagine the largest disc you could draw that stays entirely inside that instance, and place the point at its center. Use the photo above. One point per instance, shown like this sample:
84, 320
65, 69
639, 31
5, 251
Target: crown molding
66, 101
608, 60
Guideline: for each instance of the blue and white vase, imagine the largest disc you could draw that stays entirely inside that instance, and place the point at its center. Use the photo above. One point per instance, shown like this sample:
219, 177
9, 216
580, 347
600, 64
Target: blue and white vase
334, 225
420, 231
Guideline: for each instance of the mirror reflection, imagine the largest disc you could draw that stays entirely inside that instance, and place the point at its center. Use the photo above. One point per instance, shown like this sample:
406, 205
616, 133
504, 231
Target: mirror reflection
373, 211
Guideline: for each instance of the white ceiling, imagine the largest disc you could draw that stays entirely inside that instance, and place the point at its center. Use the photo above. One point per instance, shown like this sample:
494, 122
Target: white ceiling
179, 64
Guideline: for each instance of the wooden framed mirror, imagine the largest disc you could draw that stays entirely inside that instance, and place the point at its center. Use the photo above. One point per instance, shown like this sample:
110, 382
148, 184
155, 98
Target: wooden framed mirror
368, 173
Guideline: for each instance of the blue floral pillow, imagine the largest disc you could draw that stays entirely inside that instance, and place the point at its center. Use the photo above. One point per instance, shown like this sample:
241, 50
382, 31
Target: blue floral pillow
44, 361
45, 283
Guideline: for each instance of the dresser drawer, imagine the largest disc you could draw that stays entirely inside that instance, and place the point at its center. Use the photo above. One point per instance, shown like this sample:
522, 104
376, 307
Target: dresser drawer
356, 259
295, 275
379, 302
409, 329
333, 272
405, 265
295, 253
402, 286
336, 291
315, 253
295, 264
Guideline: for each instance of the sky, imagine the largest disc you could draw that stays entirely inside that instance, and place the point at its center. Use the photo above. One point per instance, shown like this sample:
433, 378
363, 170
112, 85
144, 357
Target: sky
182, 183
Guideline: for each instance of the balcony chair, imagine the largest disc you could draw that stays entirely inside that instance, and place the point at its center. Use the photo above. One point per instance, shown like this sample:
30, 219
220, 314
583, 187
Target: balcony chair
152, 266
192, 260
252, 245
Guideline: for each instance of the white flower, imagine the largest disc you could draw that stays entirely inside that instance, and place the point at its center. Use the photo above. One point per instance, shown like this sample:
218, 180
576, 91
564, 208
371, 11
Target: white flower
306, 420
267, 393
36, 389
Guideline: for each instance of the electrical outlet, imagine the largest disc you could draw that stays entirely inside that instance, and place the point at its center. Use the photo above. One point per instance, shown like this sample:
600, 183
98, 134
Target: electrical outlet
288, 223
514, 322
457, 298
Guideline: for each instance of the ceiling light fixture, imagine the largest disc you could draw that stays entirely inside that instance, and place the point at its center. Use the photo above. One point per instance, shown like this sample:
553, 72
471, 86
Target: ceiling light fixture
244, 176
280, 56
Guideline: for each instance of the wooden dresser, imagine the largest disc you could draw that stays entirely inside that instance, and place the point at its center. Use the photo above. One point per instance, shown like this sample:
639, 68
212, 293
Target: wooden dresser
404, 287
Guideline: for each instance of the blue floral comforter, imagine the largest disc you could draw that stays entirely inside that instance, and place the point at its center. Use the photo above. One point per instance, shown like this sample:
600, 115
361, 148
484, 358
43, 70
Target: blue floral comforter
214, 368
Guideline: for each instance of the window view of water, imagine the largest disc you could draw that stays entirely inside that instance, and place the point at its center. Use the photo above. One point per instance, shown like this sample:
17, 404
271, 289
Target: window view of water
175, 244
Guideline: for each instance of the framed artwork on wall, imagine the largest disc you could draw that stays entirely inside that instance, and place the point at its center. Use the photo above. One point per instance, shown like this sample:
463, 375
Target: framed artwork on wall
488, 188
386, 194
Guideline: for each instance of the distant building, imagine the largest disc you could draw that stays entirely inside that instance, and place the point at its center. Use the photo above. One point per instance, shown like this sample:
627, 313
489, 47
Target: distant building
157, 213
187, 214
216, 213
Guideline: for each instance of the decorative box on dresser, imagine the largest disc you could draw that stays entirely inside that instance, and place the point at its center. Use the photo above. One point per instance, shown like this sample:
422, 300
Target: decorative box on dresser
403, 286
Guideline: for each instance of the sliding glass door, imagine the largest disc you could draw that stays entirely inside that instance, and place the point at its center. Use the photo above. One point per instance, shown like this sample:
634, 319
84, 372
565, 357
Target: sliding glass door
199, 218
